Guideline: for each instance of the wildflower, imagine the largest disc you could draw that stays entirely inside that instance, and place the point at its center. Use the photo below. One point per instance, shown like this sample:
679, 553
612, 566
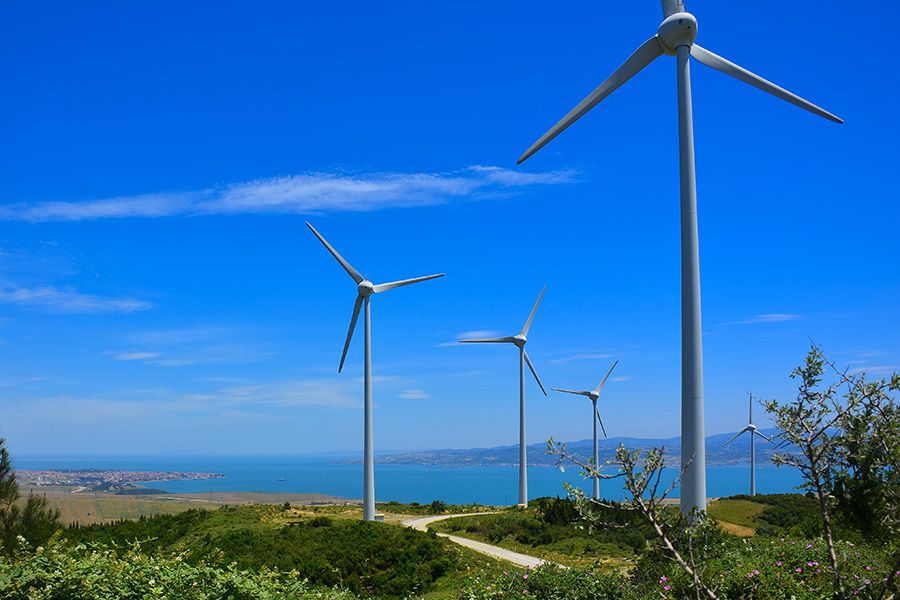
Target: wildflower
525, 576
867, 581
868, 567
756, 571
808, 546
663, 579
798, 570
778, 563
667, 587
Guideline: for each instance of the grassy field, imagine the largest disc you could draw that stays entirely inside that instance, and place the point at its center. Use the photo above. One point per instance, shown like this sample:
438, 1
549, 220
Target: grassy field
90, 508
739, 517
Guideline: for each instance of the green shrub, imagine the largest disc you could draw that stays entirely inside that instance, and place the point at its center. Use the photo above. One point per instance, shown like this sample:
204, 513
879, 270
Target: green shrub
372, 559
79, 572
548, 583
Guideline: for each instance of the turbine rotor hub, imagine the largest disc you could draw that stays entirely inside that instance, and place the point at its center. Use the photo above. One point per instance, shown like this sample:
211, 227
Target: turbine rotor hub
677, 30
365, 288
594, 396
520, 340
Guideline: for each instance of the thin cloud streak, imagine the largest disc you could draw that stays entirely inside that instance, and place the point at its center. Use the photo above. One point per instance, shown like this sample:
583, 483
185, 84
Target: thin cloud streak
305, 193
69, 301
582, 356
766, 318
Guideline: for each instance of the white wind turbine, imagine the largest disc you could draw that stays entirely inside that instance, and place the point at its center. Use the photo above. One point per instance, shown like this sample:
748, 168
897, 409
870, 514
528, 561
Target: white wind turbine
753, 432
595, 417
519, 341
675, 37
365, 289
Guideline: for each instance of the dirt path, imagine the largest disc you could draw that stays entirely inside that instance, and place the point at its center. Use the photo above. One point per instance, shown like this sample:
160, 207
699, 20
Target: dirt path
523, 560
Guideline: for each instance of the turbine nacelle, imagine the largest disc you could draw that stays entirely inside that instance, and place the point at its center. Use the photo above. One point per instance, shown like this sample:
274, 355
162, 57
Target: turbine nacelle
679, 29
365, 288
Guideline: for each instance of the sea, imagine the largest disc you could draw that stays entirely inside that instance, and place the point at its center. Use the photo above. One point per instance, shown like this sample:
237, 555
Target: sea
341, 476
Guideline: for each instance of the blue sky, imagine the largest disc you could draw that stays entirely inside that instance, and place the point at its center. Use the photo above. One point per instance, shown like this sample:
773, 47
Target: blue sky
159, 293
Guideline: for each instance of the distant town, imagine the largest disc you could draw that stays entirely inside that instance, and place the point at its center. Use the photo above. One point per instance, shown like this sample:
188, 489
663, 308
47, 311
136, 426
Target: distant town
103, 479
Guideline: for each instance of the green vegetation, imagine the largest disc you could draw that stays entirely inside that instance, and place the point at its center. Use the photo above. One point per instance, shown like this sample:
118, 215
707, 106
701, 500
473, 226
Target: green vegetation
764, 568
32, 520
78, 572
436, 507
551, 528
372, 559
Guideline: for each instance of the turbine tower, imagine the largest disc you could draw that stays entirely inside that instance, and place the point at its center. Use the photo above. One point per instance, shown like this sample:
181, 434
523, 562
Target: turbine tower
595, 417
675, 37
365, 289
519, 341
753, 432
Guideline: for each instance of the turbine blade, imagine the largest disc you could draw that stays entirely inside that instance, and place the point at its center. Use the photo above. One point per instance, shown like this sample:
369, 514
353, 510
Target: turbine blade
599, 387
527, 325
642, 57
587, 394
736, 436
599, 420
670, 7
765, 437
347, 267
729, 68
383, 287
499, 340
356, 307
533, 372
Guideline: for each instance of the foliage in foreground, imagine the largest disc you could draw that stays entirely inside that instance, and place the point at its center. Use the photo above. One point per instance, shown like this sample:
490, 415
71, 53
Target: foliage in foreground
763, 568
549, 583
370, 559
78, 572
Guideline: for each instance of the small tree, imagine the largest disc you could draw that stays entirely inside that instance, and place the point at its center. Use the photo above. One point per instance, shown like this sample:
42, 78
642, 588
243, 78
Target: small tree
683, 540
35, 520
846, 432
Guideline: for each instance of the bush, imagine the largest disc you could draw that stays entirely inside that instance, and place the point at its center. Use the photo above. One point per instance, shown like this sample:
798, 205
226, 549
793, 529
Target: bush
372, 559
79, 572
771, 568
549, 583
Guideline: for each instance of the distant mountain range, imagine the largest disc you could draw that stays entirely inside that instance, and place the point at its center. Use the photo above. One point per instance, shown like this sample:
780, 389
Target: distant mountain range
737, 452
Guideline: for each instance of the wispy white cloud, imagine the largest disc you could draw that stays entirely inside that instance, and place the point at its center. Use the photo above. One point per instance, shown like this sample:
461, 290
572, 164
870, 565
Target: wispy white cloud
414, 395
136, 355
582, 356
621, 378
767, 318
333, 393
192, 346
303, 193
875, 370
67, 300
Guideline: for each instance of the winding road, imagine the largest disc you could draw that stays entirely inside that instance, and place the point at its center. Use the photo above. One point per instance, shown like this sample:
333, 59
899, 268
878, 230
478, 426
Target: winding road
523, 560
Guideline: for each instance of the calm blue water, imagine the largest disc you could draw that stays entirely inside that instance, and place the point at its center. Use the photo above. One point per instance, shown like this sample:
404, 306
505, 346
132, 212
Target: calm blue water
404, 483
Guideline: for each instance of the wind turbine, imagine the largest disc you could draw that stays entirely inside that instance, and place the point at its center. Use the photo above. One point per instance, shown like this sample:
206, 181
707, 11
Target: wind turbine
675, 37
365, 289
753, 432
519, 341
593, 395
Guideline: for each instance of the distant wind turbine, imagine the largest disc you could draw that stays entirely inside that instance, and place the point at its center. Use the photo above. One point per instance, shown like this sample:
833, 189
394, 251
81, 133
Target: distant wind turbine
753, 432
365, 289
595, 417
675, 37
519, 341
